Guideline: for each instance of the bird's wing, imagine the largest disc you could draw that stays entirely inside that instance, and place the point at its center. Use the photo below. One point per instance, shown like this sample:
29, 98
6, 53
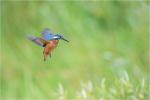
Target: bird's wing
38, 41
47, 34
43, 41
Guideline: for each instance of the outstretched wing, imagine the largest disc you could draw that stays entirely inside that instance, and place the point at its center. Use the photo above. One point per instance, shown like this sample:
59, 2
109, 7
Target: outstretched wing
38, 41
47, 34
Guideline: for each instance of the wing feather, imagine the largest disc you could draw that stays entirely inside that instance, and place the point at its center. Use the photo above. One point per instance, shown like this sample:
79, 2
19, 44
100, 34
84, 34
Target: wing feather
38, 41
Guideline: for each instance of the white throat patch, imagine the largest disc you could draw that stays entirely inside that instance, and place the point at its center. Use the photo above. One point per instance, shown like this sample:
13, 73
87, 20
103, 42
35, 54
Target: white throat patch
55, 37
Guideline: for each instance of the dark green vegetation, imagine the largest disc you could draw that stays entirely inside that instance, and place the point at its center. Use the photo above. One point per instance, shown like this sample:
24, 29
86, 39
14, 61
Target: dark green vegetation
106, 59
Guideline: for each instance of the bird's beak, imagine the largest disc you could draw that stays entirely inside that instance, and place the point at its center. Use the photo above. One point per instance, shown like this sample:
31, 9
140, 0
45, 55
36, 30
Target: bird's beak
65, 39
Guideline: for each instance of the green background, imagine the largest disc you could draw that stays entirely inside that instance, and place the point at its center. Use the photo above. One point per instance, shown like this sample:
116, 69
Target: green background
106, 59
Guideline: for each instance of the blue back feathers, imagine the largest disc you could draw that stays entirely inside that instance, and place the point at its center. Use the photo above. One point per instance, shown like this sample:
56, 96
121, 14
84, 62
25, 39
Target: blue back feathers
47, 34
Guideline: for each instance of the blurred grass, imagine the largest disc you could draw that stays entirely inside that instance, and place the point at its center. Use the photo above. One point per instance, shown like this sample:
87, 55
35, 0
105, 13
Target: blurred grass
108, 41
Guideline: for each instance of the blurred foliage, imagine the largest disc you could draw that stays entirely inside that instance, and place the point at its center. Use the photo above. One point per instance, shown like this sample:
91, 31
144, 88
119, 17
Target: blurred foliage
107, 38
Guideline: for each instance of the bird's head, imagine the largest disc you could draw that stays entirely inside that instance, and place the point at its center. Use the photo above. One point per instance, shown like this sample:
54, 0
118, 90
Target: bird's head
59, 36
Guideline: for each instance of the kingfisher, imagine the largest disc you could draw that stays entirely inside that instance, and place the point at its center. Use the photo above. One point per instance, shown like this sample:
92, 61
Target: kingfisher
48, 40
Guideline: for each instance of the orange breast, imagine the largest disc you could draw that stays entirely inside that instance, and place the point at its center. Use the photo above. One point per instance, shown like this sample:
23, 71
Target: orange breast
50, 46
54, 43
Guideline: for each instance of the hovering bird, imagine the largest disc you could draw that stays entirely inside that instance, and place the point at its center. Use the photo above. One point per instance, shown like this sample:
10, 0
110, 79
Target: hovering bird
48, 40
